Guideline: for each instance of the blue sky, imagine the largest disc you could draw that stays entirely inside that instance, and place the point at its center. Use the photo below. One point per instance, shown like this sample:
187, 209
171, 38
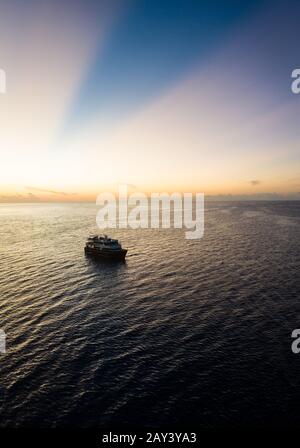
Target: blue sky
151, 45
165, 95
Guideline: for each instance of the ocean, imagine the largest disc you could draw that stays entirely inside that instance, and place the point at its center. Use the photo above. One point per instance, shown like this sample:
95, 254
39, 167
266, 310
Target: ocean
184, 333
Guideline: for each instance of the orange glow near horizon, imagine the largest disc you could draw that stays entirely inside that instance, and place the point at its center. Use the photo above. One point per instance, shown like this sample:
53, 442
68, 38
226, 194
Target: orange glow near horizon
207, 133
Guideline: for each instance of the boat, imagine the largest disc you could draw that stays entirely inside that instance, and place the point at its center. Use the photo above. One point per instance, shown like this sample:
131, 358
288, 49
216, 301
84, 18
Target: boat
101, 246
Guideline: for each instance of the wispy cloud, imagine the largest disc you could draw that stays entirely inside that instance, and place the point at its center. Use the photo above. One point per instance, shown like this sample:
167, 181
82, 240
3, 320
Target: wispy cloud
29, 197
43, 190
255, 197
255, 182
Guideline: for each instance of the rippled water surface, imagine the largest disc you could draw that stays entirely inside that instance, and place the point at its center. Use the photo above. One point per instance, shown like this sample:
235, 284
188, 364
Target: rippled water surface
183, 332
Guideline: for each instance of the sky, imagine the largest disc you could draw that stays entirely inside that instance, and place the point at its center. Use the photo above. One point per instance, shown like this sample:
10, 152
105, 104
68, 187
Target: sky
188, 96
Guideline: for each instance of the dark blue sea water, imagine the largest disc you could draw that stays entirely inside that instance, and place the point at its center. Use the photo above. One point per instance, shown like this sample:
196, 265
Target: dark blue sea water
185, 332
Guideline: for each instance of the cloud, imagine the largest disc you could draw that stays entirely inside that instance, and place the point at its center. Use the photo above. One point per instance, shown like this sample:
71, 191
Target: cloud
255, 182
30, 197
43, 190
255, 197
